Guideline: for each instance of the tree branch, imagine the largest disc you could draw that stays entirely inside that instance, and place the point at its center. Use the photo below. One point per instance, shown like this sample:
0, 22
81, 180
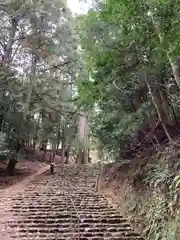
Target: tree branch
57, 66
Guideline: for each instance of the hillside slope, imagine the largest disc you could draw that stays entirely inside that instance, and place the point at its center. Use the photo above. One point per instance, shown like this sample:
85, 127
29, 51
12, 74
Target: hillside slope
147, 190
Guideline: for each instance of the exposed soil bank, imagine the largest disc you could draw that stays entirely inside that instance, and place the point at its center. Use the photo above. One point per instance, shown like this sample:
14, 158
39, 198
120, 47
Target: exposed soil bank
145, 191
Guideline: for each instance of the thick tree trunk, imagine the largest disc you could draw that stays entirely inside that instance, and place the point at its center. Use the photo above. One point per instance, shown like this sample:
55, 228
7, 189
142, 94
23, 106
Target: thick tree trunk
77, 158
44, 148
8, 47
154, 100
167, 108
82, 156
11, 166
13, 159
83, 139
44, 156
162, 104
67, 154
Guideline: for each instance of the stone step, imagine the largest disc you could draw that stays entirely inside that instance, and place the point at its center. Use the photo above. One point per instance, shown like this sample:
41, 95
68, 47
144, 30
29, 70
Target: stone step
65, 206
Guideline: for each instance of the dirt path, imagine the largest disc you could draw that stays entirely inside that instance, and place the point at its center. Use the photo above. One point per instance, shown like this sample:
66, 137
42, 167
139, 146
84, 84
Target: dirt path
63, 206
17, 187
24, 169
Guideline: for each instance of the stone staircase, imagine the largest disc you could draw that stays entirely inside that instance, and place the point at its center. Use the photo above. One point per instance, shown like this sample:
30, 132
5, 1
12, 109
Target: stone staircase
64, 206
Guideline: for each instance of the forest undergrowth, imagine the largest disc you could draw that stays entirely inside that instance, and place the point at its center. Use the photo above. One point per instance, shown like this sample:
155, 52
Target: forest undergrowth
146, 189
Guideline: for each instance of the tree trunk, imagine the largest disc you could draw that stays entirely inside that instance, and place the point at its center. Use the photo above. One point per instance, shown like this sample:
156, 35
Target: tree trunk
44, 148
82, 156
67, 154
34, 144
58, 137
53, 150
154, 100
36, 137
62, 151
7, 58
13, 159
89, 158
77, 158
11, 166
162, 104
44, 156
8, 48
83, 139
166, 106
2, 117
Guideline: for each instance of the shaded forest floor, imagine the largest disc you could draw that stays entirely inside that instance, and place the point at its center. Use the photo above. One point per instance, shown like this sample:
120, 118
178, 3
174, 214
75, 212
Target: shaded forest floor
24, 168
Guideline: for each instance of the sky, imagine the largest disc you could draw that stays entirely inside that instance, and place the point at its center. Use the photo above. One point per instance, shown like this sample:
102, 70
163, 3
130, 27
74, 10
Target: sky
78, 6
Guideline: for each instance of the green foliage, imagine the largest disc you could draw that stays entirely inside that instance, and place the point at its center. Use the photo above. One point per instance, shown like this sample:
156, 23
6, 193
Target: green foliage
156, 204
124, 48
159, 226
131, 61
39, 66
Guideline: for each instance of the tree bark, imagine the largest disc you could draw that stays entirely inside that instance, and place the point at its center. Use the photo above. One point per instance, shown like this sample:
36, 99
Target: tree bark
154, 100
67, 154
11, 166
166, 106
2, 122
62, 149
63, 140
53, 150
58, 137
162, 104
44, 148
13, 159
8, 46
153, 97
83, 139
89, 158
